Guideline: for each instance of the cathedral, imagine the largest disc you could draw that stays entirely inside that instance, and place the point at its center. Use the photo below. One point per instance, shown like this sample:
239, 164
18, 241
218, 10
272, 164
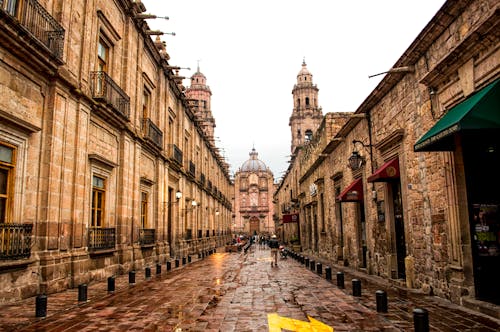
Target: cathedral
253, 191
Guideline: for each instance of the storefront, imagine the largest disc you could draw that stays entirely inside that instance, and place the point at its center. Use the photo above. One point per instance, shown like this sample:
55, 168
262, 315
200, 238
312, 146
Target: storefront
472, 130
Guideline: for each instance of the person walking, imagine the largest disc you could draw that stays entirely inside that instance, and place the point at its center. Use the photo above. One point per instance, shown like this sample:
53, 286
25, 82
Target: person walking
274, 245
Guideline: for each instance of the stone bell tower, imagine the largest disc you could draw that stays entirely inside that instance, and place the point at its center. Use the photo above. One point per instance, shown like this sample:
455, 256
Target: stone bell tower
307, 115
199, 96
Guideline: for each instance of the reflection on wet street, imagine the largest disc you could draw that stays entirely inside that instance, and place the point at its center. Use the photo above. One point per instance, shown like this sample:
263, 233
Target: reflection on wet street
230, 292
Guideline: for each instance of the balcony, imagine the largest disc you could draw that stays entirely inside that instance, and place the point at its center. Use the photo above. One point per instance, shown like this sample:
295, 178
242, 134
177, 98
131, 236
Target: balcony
105, 90
192, 169
202, 179
101, 238
38, 22
15, 241
146, 236
152, 133
176, 155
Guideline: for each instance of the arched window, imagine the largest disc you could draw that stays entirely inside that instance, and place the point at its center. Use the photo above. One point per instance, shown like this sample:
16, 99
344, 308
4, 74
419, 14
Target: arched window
309, 135
298, 102
307, 101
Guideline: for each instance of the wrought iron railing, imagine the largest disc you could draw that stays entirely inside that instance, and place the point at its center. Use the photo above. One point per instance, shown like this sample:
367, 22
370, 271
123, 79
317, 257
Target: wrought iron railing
101, 238
105, 89
202, 179
189, 234
209, 185
38, 22
192, 168
152, 132
15, 241
146, 236
177, 154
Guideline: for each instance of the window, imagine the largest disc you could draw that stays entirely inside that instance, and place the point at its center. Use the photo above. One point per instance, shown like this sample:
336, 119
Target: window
102, 55
144, 209
146, 103
7, 157
309, 135
10, 6
98, 195
307, 101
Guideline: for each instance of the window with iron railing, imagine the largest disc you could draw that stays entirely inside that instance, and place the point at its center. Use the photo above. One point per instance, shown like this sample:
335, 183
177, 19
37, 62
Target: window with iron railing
177, 155
98, 201
15, 241
152, 133
7, 171
192, 168
202, 179
209, 186
189, 234
101, 238
146, 236
104, 89
38, 22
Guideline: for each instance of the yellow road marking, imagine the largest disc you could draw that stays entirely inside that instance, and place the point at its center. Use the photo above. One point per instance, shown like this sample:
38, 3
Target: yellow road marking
276, 323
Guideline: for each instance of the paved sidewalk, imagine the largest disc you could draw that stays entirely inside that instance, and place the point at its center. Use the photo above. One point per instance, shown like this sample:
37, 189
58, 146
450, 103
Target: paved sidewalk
234, 292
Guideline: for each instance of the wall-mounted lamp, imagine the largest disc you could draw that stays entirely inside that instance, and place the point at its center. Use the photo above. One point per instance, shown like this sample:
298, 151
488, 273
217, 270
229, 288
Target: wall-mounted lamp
158, 33
217, 212
356, 160
178, 195
432, 91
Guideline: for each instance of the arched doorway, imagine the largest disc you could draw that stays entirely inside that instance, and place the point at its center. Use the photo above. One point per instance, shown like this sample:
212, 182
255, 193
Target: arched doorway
254, 225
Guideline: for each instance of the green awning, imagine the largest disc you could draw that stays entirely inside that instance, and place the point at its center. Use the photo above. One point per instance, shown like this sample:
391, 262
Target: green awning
478, 112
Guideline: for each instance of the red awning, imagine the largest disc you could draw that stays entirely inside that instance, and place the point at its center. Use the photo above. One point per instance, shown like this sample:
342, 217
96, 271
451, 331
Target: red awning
294, 217
353, 193
388, 171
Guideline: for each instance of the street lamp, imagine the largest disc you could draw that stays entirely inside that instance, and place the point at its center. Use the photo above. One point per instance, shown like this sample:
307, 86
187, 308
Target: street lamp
356, 160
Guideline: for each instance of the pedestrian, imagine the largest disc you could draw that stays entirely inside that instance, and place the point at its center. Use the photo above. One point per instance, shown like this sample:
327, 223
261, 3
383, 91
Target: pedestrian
274, 245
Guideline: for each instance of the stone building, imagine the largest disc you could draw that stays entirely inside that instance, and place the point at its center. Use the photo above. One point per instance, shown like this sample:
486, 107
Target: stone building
253, 196
306, 115
103, 168
410, 179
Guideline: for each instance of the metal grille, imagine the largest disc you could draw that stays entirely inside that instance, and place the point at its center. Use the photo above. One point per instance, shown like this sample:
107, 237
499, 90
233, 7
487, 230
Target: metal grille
101, 238
105, 89
15, 241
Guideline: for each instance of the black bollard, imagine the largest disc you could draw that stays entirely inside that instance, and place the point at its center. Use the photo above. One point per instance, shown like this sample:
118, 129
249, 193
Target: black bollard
328, 273
199, 255
319, 268
189, 258
158, 268
202, 254
306, 262
169, 265
356, 287
340, 280
147, 272
111, 284
176, 262
420, 320
312, 265
82, 293
381, 297
183, 260
131, 277
41, 306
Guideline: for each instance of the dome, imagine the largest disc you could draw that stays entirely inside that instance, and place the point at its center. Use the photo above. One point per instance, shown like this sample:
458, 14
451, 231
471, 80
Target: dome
253, 164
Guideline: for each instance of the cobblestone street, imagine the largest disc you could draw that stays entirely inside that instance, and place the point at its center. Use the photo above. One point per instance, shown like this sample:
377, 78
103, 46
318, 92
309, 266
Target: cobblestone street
234, 292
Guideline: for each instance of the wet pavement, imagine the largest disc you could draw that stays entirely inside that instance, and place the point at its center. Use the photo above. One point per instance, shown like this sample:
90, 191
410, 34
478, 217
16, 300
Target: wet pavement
236, 292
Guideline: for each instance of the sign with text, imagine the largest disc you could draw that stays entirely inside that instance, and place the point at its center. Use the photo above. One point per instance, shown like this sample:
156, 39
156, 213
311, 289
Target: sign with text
294, 217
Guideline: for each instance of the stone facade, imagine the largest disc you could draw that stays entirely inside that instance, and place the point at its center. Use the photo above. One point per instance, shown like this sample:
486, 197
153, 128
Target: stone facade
253, 196
407, 211
101, 157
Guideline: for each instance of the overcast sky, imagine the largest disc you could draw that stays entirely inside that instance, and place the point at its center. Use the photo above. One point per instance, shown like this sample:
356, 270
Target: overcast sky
252, 51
